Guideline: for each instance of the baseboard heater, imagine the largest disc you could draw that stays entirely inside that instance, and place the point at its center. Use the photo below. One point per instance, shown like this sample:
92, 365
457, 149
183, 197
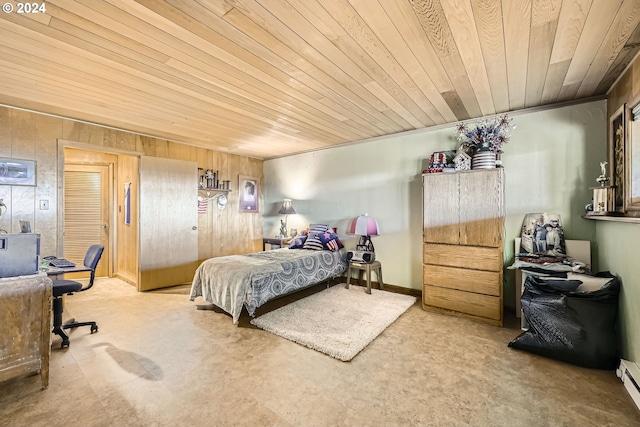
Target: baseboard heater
629, 373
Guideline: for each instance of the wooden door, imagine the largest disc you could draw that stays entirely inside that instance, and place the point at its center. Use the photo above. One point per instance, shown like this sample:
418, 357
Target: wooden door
482, 208
440, 208
168, 216
87, 190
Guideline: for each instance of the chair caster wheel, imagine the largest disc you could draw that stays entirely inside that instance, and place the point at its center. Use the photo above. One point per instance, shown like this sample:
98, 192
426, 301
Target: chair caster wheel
64, 344
94, 328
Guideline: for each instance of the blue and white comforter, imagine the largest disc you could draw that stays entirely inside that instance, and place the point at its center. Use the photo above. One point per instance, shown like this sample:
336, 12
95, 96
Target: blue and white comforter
253, 279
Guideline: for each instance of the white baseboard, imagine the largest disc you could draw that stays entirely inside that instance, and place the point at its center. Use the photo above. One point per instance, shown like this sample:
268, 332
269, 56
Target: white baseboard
629, 373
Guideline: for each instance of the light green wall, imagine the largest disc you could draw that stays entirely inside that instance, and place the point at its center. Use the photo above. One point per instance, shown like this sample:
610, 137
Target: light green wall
551, 161
617, 247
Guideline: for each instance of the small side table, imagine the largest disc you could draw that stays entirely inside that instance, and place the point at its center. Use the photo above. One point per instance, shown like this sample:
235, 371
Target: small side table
367, 268
275, 241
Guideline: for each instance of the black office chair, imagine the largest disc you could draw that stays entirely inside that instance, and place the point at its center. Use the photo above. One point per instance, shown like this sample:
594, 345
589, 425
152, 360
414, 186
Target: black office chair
61, 287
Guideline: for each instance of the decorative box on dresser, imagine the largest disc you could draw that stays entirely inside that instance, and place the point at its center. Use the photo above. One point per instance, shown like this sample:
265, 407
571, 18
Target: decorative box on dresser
463, 241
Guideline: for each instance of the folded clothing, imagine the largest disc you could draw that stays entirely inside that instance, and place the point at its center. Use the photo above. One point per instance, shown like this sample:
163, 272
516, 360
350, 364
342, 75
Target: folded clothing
566, 265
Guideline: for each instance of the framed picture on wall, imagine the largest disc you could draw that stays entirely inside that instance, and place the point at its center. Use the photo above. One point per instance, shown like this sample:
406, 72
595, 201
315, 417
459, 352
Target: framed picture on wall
249, 193
617, 153
17, 172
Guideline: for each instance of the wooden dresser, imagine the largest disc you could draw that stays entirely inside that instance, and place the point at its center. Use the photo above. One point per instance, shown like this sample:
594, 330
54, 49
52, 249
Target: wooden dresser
463, 241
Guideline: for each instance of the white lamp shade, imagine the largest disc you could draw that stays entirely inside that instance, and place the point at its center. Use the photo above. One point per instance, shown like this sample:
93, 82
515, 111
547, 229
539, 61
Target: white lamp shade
364, 225
287, 208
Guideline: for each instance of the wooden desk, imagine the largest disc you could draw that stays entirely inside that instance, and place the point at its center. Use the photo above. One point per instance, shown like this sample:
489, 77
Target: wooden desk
56, 271
25, 335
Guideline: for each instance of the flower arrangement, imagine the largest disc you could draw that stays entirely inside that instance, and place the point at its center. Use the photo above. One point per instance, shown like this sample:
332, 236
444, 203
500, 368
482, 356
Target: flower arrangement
488, 134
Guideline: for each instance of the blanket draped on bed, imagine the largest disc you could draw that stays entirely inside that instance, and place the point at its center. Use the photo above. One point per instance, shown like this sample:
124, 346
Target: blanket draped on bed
253, 279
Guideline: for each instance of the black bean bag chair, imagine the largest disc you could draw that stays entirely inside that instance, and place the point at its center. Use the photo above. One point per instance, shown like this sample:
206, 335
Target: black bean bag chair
570, 324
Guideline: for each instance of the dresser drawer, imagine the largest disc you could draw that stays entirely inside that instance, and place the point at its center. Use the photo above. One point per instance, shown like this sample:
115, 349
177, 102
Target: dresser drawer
475, 257
486, 306
480, 282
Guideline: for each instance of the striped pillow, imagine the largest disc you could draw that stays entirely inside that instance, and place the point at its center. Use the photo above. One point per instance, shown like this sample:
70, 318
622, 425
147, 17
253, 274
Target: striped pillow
313, 242
318, 228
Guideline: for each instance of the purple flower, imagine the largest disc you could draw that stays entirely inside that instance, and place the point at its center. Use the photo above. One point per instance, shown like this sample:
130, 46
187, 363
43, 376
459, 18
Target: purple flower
489, 133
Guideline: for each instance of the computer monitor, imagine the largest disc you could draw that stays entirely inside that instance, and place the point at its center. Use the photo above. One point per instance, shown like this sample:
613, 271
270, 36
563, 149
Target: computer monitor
25, 226
19, 254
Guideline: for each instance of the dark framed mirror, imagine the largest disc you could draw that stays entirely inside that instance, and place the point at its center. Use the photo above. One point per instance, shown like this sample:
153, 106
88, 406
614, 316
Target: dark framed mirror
617, 159
632, 157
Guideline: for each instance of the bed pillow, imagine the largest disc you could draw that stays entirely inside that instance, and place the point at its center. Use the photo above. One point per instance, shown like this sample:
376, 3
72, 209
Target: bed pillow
330, 241
313, 242
297, 242
318, 228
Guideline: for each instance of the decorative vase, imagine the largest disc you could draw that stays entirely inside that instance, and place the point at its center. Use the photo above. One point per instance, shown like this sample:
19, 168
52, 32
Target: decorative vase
484, 159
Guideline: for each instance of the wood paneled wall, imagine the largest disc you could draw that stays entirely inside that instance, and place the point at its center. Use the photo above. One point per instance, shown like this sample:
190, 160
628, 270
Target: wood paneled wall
625, 89
34, 136
127, 235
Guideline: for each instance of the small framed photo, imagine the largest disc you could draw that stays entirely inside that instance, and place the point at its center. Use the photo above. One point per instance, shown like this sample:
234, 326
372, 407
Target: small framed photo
249, 193
17, 172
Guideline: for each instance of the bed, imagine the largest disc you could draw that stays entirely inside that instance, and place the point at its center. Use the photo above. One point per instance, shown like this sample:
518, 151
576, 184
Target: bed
236, 281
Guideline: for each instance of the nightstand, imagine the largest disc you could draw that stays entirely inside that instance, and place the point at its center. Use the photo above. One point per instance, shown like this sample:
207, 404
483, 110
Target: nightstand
275, 241
367, 268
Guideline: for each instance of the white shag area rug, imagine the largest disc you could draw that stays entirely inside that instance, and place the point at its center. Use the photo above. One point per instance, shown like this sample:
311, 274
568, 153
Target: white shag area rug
337, 321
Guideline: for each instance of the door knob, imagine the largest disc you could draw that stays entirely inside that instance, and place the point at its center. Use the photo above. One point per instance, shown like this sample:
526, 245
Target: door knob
194, 227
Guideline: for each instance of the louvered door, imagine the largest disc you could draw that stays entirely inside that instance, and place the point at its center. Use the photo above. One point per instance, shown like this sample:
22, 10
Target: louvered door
86, 212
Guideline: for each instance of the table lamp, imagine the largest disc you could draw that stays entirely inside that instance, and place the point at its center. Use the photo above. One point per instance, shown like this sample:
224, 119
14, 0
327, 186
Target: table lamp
365, 226
286, 209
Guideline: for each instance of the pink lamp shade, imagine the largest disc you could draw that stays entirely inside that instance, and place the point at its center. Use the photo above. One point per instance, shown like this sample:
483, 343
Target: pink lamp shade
364, 225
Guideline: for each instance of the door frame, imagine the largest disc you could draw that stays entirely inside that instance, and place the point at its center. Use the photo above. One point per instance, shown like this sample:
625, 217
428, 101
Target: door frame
61, 145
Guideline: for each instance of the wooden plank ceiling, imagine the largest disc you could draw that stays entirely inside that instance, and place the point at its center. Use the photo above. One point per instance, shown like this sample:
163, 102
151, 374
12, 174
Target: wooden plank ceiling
267, 78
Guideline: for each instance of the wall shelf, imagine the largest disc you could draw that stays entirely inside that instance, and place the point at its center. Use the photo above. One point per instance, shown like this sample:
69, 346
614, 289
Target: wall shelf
208, 192
209, 181
630, 219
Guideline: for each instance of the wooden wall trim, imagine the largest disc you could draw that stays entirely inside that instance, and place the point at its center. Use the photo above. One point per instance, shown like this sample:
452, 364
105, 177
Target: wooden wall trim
64, 143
